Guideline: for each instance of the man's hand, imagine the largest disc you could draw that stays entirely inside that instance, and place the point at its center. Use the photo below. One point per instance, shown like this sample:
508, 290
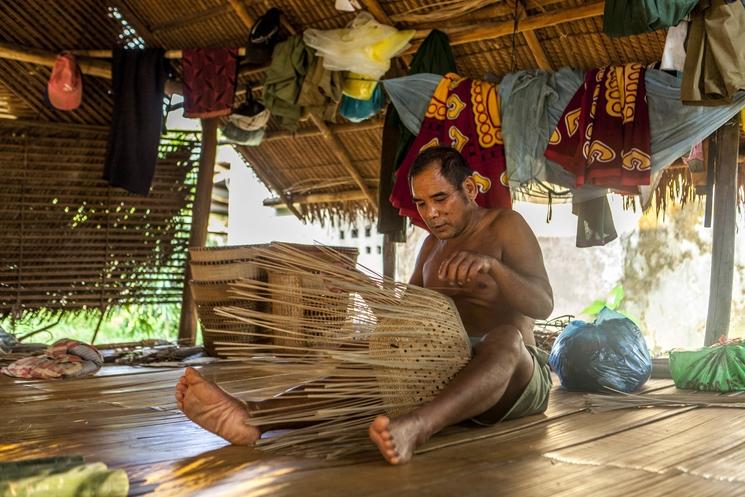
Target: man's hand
461, 267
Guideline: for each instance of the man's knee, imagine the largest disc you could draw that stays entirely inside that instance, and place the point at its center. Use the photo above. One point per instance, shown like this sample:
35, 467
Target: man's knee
504, 339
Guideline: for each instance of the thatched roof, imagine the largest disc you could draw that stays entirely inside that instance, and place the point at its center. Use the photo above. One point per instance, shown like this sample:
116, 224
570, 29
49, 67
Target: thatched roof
307, 165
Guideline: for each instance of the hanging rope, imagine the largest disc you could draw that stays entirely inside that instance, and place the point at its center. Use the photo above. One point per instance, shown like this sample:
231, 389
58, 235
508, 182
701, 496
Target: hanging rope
514, 34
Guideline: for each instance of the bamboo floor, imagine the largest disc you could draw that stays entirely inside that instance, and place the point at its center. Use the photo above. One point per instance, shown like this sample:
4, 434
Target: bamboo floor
127, 418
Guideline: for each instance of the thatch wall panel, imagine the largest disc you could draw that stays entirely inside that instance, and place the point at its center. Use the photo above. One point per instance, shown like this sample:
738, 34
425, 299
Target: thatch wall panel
69, 241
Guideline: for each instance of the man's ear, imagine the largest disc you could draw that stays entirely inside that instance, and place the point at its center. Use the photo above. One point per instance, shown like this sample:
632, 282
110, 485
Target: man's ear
470, 188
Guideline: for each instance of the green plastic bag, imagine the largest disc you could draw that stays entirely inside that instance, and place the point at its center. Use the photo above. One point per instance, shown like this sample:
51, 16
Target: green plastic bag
61, 477
719, 368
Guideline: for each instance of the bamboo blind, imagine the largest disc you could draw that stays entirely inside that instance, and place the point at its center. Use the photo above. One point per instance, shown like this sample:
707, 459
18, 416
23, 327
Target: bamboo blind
69, 241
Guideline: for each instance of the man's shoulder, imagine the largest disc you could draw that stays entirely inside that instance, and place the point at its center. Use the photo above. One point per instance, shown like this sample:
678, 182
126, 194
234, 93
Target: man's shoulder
502, 218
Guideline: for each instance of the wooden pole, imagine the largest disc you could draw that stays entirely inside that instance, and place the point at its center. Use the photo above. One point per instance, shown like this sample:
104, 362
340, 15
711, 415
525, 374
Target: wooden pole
723, 247
389, 257
199, 223
88, 66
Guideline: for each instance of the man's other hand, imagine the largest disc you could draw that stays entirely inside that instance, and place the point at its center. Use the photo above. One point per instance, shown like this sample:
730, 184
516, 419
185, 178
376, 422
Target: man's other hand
461, 267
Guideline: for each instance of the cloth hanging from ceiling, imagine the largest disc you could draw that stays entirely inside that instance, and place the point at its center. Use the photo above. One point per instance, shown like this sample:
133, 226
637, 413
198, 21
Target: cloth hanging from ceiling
674, 127
284, 78
633, 17
603, 137
434, 56
463, 114
209, 81
715, 58
297, 83
138, 78
321, 91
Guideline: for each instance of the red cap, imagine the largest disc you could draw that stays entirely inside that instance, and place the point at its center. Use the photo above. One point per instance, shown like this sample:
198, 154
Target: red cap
65, 84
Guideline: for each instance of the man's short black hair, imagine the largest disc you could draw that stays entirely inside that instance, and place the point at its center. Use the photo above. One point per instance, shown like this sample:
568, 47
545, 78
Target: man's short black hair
453, 166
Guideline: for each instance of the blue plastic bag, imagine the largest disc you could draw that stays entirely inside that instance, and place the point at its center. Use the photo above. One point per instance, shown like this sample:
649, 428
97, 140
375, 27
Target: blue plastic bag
609, 353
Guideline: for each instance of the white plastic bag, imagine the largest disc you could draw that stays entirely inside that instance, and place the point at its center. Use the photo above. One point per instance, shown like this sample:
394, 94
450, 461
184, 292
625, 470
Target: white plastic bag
365, 46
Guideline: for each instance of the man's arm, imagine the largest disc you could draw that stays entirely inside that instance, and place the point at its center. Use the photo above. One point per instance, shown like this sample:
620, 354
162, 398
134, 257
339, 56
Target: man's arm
518, 270
417, 277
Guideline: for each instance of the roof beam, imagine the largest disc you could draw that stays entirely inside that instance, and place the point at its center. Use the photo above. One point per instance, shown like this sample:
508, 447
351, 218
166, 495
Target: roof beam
88, 66
183, 21
496, 30
531, 39
242, 13
371, 124
318, 198
273, 185
333, 142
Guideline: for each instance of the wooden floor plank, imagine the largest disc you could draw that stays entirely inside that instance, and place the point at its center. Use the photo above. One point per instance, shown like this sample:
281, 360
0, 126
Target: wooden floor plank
130, 421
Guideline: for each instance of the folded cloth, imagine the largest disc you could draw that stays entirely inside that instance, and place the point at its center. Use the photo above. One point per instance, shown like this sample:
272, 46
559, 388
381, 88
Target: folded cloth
63, 359
209, 81
603, 136
463, 114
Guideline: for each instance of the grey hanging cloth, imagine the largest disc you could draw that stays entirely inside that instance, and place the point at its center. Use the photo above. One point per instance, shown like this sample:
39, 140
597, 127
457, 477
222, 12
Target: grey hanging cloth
434, 56
138, 78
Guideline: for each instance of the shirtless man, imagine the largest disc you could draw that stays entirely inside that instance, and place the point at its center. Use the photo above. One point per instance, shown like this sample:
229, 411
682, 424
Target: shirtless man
490, 263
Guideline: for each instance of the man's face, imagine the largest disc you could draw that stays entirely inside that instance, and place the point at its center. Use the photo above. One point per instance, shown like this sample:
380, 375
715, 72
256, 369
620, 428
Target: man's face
442, 206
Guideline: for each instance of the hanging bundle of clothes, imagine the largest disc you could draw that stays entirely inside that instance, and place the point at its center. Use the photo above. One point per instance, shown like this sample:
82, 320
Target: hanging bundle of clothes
463, 114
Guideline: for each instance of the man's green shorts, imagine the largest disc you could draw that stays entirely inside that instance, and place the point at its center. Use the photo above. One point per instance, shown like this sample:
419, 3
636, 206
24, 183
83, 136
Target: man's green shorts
534, 399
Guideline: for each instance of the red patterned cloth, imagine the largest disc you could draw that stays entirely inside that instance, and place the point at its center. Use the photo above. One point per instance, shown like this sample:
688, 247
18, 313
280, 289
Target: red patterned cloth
463, 114
209, 81
603, 136
63, 359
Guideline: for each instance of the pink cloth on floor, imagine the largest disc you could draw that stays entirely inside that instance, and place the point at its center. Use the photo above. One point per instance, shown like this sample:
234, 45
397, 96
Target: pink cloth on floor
64, 359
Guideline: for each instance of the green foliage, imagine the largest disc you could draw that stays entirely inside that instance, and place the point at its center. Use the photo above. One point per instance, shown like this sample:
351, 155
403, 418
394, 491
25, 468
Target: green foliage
612, 301
120, 324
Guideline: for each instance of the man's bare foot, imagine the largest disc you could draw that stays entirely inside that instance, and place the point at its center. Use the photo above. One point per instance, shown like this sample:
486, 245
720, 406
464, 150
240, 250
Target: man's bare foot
398, 437
214, 409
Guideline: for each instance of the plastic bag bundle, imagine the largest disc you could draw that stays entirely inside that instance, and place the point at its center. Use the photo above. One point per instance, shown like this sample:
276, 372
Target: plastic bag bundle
365, 46
719, 368
609, 353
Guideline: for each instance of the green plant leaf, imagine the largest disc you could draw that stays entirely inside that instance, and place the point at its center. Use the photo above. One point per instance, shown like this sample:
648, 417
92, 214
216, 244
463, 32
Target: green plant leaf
594, 308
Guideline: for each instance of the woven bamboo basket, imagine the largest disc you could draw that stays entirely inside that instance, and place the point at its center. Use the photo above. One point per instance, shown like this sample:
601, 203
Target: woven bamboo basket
346, 346
213, 269
300, 308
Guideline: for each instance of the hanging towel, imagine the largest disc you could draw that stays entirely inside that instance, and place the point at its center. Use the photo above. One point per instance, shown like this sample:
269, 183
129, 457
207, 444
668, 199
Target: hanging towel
138, 77
209, 81
603, 136
463, 114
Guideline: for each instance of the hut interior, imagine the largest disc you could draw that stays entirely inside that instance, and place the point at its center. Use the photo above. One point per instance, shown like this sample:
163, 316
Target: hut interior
73, 243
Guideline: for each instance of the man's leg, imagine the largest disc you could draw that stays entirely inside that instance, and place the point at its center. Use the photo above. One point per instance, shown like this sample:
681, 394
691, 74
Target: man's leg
214, 409
488, 386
